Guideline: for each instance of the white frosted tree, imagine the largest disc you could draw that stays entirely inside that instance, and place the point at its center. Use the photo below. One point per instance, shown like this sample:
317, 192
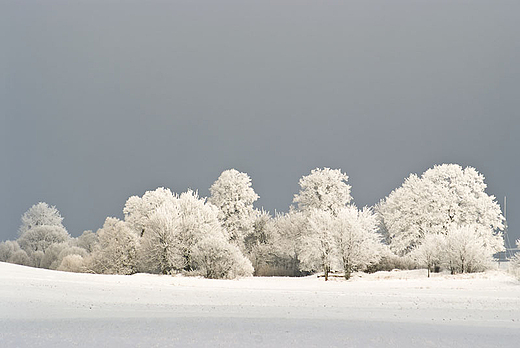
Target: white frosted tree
444, 196
161, 249
317, 243
515, 262
54, 255
467, 249
117, 253
138, 210
174, 233
234, 196
214, 257
431, 252
41, 227
40, 214
72, 263
88, 241
323, 189
356, 239
11, 252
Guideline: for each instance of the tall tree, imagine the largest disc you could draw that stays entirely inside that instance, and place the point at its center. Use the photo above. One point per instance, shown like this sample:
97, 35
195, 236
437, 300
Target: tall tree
357, 242
117, 253
234, 196
41, 227
444, 197
323, 189
138, 210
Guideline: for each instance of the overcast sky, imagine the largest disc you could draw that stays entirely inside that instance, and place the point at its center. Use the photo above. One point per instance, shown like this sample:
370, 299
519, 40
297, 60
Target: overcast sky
101, 100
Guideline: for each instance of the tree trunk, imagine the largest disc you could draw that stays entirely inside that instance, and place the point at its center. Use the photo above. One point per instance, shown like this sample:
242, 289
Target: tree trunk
326, 271
346, 269
428, 272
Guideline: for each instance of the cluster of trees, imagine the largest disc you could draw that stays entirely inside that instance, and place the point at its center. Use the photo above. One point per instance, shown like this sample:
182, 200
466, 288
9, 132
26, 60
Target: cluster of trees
442, 219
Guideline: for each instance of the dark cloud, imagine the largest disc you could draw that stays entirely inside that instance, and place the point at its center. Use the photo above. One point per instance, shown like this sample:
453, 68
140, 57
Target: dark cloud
107, 99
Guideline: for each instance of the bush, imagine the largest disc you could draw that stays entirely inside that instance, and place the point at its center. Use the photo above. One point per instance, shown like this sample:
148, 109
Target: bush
215, 258
72, 263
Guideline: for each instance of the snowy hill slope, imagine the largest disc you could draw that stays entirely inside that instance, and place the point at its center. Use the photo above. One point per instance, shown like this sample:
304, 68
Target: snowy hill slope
386, 309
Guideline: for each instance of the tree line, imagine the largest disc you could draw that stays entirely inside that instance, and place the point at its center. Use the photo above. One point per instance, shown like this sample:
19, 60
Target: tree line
442, 219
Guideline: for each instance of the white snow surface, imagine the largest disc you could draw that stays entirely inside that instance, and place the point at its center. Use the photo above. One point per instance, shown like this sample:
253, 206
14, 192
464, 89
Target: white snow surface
44, 308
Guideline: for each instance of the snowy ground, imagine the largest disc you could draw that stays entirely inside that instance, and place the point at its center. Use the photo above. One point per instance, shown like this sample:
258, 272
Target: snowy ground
387, 309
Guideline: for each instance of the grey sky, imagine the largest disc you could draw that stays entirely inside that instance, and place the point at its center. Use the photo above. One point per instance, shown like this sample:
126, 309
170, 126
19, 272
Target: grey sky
101, 100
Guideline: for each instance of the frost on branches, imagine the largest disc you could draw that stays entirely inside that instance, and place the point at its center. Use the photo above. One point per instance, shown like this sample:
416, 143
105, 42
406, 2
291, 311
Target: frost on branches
515, 262
176, 238
334, 235
233, 195
138, 210
446, 200
356, 239
317, 243
117, 253
323, 189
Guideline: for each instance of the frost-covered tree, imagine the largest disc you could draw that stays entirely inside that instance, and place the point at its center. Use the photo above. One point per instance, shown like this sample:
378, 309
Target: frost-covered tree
431, 252
41, 227
173, 235
11, 252
216, 258
317, 243
117, 253
54, 255
323, 189
234, 196
278, 245
256, 242
467, 249
138, 210
515, 262
444, 196
72, 263
40, 214
356, 239
161, 250
7, 249
88, 241
40, 238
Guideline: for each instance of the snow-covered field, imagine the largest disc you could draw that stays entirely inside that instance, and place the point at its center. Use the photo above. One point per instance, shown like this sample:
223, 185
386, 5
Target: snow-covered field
43, 308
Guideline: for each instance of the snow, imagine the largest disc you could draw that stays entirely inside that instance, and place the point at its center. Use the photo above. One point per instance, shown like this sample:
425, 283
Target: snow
386, 309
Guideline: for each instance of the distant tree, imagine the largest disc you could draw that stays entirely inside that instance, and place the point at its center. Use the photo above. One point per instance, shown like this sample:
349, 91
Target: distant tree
174, 233
40, 238
233, 195
324, 189
257, 240
41, 227
280, 254
88, 241
431, 252
357, 242
117, 253
11, 252
443, 197
138, 210
54, 255
317, 243
216, 258
7, 249
72, 263
161, 249
515, 262
40, 214
467, 249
